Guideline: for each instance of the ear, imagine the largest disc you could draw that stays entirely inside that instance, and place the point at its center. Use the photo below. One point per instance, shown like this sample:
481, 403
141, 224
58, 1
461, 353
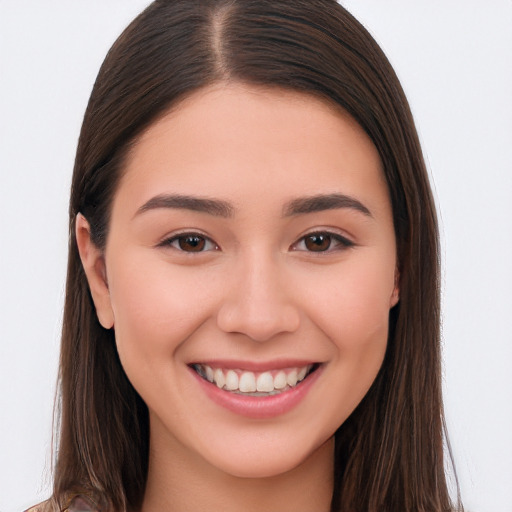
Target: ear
93, 261
395, 296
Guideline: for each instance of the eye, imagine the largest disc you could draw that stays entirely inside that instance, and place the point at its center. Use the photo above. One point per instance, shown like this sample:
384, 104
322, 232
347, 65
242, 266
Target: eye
190, 242
322, 241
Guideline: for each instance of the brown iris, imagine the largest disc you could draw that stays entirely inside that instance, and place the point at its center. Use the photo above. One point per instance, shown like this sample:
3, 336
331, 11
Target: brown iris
317, 242
191, 243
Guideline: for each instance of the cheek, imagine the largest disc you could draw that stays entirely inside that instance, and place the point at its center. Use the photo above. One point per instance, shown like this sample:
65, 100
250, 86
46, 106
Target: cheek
156, 306
353, 307
353, 313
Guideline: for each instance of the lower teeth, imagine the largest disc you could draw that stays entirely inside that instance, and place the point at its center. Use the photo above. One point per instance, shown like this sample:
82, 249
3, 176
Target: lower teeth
262, 393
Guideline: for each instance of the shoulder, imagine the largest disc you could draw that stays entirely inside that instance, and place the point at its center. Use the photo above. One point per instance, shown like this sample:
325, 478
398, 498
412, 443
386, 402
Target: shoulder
77, 504
42, 507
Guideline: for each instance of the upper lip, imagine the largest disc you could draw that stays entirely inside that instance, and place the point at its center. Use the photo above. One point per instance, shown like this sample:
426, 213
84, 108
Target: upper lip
254, 366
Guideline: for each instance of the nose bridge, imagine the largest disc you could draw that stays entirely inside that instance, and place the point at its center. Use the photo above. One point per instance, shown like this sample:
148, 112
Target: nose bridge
257, 302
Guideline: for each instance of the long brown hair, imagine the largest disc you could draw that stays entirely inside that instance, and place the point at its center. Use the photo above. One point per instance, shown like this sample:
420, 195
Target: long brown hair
389, 453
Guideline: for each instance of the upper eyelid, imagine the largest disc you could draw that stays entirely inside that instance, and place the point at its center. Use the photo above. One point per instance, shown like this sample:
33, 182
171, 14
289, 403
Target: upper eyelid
328, 231
186, 232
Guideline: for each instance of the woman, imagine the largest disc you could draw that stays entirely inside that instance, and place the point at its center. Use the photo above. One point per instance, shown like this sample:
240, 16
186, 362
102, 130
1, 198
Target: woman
252, 305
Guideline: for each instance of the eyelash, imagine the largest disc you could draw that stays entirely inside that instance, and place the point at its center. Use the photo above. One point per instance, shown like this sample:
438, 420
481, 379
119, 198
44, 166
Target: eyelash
175, 242
340, 242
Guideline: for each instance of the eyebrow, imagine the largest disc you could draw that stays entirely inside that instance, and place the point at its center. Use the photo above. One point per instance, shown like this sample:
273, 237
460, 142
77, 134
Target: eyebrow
214, 207
220, 208
323, 202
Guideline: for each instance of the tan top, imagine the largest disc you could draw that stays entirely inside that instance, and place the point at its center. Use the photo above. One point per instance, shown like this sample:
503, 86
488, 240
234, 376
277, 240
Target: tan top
77, 504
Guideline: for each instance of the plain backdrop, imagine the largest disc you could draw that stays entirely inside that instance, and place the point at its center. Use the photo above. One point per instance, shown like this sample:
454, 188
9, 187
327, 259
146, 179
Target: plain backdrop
454, 60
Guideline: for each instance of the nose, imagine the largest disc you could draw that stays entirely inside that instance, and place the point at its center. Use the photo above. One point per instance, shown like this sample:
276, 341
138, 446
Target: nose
258, 301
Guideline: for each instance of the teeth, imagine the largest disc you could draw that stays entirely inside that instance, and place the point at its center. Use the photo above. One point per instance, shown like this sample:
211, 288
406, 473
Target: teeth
265, 382
280, 381
218, 378
247, 382
262, 384
291, 378
231, 380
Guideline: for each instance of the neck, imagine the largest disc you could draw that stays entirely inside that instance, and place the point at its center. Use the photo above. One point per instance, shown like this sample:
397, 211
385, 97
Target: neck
181, 482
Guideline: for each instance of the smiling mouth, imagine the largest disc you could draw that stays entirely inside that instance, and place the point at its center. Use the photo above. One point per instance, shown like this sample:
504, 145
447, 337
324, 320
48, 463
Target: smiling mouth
243, 382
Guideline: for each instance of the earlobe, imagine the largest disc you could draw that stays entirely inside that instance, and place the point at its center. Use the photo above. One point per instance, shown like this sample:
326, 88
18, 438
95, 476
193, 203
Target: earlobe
93, 262
395, 296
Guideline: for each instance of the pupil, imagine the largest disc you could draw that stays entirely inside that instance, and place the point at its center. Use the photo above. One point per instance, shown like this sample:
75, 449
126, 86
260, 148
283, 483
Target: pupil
192, 243
318, 242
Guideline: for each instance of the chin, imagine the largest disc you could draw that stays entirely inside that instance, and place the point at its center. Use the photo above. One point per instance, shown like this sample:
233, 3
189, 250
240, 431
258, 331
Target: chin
271, 462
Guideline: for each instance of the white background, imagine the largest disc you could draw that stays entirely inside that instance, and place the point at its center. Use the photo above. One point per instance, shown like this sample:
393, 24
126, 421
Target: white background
454, 58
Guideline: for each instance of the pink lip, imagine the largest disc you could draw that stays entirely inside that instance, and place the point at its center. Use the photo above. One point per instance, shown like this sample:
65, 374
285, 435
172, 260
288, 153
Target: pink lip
258, 407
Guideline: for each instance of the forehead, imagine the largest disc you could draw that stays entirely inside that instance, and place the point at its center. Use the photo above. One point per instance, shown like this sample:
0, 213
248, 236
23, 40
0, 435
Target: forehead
231, 140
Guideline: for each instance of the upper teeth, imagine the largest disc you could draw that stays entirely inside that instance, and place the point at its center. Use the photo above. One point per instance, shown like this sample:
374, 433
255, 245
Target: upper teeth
249, 382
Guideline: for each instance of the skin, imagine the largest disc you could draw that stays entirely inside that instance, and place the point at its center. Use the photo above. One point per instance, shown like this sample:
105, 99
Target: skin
256, 293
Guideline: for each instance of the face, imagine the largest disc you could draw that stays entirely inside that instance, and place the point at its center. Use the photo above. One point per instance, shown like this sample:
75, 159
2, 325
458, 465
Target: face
249, 271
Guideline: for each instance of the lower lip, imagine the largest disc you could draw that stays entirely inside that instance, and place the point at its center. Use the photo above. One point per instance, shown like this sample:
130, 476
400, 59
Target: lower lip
259, 407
